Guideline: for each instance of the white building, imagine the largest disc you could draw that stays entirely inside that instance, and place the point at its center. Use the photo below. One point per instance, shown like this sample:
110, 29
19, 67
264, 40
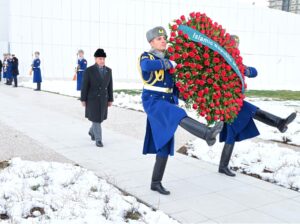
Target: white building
58, 28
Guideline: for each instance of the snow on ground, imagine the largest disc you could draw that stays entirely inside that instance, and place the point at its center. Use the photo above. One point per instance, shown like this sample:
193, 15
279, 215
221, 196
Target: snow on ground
264, 160
50, 192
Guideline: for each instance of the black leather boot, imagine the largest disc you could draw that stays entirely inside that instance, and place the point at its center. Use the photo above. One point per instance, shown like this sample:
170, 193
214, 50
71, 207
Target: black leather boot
225, 158
274, 121
38, 87
157, 175
201, 130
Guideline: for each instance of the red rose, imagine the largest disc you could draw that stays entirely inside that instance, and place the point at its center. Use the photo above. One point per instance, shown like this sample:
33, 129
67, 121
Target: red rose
186, 36
188, 75
206, 90
216, 60
208, 117
170, 49
186, 44
194, 72
180, 32
206, 62
192, 54
195, 106
201, 92
192, 15
197, 57
210, 81
206, 56
177, 56
179, 66
172, 57
201, 83
173, 34
185, 55
174, 27
178, 22
172, 70
177, 48
199, 67
185, 96
178, 41
186, 64
182, 18
193, 65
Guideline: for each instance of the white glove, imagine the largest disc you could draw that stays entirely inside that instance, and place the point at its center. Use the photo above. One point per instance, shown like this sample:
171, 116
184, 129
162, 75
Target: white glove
173, 63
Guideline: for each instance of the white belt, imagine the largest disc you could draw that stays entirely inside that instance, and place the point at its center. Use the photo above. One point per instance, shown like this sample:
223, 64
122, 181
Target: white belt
158, 89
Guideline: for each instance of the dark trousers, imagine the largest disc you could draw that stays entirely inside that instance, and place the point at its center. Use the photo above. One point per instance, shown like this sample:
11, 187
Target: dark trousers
15, 79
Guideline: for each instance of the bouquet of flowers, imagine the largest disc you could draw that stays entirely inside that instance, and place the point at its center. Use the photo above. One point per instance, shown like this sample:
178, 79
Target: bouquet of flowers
209, 71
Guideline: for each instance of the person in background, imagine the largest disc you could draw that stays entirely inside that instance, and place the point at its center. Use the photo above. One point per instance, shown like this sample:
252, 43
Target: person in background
5, 67
9, 70
0, 70
15, 70
97, 94
81, 67
37, 76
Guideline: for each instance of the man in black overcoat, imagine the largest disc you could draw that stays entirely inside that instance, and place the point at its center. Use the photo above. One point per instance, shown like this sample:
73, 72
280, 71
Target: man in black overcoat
97, 94
15, 70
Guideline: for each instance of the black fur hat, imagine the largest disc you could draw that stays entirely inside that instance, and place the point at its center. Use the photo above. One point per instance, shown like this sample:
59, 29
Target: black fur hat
100, 53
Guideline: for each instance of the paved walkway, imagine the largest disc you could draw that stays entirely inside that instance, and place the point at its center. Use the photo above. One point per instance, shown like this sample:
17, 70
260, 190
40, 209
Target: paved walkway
199, 193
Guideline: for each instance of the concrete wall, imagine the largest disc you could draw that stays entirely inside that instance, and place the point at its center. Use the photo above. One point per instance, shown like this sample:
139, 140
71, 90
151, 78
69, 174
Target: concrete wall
58, 28
4, 26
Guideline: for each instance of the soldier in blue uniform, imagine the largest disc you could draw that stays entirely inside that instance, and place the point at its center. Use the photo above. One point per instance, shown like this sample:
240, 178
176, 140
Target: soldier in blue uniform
160, 99
1, 65
81, 66
9, 70
244, 127
37, 76
5, 67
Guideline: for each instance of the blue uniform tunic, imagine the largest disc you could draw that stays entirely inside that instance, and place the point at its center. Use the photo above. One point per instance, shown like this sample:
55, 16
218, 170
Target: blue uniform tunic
163, 114
243, 127
37, 76
5, 68
9, 69
82, 64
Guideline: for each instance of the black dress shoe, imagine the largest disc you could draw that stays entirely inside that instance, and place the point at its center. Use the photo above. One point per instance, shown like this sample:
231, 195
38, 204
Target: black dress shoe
159, 188
283, 126
226, 171
99, 144
92, 136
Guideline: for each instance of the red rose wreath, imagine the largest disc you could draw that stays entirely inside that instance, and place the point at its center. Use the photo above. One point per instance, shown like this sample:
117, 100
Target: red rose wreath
205, 80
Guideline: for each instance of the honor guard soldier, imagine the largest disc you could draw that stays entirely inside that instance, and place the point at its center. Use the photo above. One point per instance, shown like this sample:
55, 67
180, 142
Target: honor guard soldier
81, 67
1, 65
244, 127
9, 70
5, 67
37, 76
160, 99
